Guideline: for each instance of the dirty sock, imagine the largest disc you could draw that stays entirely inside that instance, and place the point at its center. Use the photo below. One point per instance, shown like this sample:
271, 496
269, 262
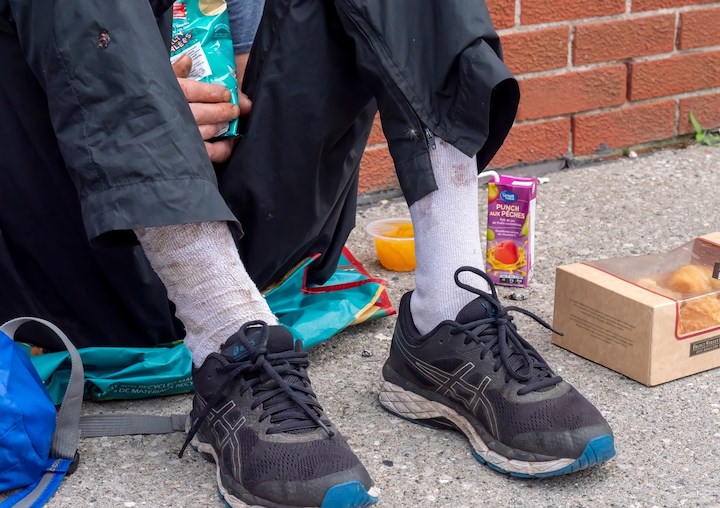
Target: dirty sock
205, 279
447, 236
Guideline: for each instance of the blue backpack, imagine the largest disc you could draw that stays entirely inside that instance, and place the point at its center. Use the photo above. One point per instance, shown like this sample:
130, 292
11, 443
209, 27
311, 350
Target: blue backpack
39, 446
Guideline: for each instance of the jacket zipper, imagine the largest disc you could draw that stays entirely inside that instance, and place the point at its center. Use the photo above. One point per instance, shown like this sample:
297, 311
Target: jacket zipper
430, 138
392, 86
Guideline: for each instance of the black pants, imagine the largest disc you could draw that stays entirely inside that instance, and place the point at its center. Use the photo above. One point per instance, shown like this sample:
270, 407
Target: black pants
317, 73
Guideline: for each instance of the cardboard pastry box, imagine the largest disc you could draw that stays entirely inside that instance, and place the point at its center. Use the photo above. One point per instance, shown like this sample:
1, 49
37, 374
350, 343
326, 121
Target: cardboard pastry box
653, 318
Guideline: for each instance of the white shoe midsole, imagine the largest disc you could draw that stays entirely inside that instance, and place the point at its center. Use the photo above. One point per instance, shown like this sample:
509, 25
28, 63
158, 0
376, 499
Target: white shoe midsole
416, 407
231, 500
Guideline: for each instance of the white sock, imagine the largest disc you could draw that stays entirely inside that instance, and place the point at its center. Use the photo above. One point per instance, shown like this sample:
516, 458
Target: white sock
447, 236
205, 279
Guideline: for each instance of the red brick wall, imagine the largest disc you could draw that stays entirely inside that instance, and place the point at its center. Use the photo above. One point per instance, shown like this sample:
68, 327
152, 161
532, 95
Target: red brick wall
596, 76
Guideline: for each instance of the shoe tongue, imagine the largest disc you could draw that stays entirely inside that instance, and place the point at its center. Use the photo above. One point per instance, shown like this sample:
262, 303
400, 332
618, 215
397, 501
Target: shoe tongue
279, 340
473, 311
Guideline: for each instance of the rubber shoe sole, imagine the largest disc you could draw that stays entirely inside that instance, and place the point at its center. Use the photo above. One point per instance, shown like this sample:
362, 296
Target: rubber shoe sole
418, 409
344, 495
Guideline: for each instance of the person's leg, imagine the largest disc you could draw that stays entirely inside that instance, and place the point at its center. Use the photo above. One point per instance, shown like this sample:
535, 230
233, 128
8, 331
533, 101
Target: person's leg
447, 236
205, 279
253, 403
457, 359
291, 184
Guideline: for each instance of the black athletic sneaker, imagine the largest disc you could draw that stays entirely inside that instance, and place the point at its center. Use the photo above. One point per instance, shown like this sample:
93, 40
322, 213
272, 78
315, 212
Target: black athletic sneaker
479, 376
256, 416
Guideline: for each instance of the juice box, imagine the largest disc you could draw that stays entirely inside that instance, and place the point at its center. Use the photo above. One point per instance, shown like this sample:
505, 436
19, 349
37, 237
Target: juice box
511, 230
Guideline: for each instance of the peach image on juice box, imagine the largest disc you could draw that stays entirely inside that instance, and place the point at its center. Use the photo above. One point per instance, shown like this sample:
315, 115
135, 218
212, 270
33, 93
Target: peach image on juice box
511, 229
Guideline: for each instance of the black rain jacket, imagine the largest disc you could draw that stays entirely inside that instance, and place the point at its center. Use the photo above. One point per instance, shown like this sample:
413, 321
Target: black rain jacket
97, 139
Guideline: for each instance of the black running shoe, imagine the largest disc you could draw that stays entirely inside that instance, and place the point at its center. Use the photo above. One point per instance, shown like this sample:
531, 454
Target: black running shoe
479, 376
255, 415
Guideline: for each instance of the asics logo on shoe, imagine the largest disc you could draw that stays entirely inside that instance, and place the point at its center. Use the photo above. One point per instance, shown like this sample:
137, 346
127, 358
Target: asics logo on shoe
455, 385
225, 421
239, 350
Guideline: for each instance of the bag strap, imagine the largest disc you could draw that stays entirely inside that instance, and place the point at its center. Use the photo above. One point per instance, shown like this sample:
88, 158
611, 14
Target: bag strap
67, 430
69, 425
130, 424
38, 493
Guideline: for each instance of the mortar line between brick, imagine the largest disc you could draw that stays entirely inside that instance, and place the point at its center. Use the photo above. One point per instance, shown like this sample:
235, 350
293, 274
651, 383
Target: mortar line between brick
573, 22
628, 82
677, 33
639, 59
676, 125
622, 16
683, 52
376, 146
626, 105
518, 11
541, 120
698, 93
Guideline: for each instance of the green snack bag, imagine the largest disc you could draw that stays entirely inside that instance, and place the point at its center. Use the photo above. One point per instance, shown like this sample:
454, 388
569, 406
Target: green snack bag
201, 29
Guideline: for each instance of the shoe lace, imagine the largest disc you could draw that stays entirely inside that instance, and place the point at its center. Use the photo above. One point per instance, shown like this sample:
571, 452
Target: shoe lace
499, 337
278, 381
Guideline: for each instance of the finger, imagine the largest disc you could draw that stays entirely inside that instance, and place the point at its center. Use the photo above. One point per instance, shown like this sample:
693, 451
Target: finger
219, 151
210, 131
197, 91
209, 114
244, 104
182, 66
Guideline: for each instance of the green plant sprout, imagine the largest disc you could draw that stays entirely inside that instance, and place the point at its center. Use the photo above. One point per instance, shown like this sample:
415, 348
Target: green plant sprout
703, 136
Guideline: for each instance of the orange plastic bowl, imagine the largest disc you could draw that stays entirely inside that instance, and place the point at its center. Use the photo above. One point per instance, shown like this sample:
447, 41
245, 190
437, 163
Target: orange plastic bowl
394, 243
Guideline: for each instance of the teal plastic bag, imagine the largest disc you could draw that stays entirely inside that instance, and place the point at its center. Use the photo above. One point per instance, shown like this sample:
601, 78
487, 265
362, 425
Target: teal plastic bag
313, 313
316, 313
201, 29
120, 373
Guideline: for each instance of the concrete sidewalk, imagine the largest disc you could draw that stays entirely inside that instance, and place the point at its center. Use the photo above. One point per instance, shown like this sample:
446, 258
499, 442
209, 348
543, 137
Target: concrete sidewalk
668, 437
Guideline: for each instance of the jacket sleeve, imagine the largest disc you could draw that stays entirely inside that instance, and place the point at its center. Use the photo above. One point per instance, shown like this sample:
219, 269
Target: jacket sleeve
124, 128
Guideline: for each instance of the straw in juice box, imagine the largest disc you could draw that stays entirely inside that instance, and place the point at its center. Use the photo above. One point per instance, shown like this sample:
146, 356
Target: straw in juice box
511, 229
